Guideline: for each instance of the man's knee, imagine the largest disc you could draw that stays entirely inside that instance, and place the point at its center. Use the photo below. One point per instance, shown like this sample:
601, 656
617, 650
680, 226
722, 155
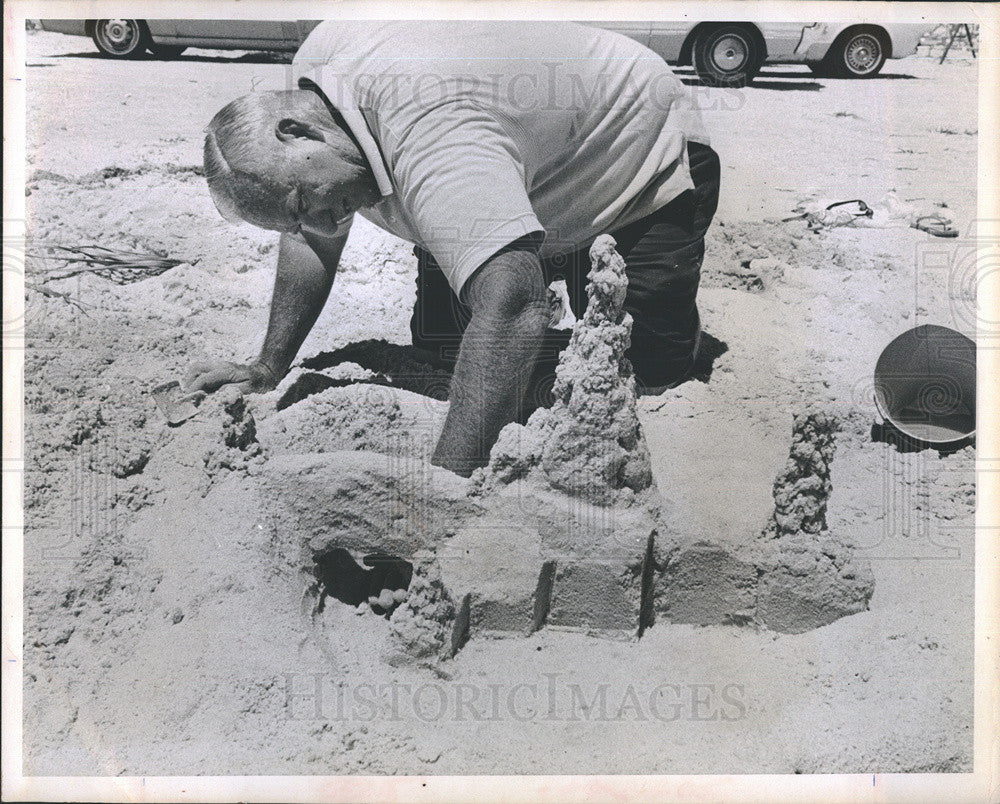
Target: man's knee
664, 359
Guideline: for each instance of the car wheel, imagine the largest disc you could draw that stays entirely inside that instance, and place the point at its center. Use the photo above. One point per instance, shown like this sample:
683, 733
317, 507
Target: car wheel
166, 51
727, 55
860, 54
121, 39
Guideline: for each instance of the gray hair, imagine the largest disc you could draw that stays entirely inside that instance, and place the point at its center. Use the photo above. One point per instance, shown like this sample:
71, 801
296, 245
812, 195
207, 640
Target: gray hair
243, 165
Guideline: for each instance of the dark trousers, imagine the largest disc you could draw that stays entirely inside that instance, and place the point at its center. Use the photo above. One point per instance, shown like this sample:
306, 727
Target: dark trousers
663, 254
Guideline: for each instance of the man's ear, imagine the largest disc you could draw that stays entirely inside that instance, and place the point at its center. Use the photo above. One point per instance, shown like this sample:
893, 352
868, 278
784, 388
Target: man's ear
288, 128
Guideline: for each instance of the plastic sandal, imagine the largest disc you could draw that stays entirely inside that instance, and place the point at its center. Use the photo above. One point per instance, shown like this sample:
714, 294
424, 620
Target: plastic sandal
935, 225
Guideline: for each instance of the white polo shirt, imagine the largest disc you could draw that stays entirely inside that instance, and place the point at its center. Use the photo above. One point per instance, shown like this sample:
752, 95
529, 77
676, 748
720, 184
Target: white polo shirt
479, 133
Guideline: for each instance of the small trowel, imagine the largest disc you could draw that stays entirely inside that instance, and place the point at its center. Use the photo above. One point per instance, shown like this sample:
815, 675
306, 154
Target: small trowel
173, 403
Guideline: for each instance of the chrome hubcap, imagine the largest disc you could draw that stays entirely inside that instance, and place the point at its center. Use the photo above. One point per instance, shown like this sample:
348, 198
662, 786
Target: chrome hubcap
863, 53
118, 36
730, 53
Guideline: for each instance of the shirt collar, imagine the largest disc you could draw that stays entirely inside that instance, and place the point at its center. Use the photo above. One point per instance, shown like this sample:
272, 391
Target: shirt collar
359, 128
356, 122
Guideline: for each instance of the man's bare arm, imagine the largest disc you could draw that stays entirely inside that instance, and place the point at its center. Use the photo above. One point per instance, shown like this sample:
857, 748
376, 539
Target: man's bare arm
499, 348
307, 265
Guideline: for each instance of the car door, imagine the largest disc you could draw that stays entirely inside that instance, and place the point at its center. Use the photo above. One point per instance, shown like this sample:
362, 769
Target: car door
162, 29
667, 38
781, 39
265, 34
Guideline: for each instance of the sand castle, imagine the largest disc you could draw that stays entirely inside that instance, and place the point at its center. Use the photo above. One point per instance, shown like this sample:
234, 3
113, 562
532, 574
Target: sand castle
565, 526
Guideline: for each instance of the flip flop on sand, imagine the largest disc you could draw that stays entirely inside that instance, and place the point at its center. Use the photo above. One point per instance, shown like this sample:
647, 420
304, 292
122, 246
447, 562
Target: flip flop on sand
936, 225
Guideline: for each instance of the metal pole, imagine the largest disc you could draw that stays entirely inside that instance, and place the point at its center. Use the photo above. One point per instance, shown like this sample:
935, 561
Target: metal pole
953, 29
968, 35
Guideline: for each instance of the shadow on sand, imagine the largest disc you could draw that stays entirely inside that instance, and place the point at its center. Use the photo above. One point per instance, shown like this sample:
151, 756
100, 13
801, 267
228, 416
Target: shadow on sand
887, 433
411, 369
252, 57
801, 81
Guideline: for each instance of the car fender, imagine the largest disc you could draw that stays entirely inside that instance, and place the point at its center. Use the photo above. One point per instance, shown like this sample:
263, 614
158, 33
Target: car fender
818, 37
671, 41
780, 39
905, 36
816, 40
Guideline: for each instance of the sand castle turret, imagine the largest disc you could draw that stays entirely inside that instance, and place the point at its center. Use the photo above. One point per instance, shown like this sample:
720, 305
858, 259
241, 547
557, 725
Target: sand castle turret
589, 443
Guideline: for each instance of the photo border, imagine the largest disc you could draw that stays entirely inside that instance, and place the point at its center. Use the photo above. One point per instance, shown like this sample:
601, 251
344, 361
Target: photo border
979, 785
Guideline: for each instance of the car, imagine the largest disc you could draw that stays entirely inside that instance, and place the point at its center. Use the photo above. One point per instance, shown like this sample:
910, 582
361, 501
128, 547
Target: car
732, 53
722, 53
131, 39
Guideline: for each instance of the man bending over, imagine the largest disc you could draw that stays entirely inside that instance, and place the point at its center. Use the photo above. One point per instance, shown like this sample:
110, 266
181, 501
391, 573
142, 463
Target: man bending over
501, 150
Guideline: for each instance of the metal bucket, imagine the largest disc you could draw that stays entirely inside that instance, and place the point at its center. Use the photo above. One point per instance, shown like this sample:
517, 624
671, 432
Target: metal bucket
925, 385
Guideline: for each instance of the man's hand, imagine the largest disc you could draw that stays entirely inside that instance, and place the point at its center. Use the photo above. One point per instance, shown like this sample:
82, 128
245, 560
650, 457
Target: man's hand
255, 378
306, 267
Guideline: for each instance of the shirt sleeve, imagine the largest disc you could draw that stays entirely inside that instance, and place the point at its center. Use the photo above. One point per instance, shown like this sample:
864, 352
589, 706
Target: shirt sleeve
461, 181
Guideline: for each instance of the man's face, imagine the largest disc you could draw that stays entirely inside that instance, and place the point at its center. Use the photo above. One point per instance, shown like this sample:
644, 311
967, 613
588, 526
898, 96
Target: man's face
323, 187
299, 185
